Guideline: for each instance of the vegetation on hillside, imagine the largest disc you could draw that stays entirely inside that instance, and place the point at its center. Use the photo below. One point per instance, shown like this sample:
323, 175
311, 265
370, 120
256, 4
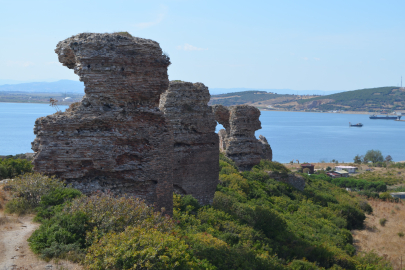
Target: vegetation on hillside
12, 166
254, 222
243, 97
364, 100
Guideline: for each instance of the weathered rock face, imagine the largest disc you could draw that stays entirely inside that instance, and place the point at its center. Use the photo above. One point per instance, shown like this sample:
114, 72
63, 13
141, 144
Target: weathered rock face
117, 138
238, 140
196, 151
295, 180
267, 152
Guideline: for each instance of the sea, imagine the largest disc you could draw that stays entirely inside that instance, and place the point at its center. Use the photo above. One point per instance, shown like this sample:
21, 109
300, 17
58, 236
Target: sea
302, 136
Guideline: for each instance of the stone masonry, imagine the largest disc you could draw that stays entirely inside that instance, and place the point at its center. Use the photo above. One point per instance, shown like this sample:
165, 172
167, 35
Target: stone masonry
196, 150
238, 141
117, 138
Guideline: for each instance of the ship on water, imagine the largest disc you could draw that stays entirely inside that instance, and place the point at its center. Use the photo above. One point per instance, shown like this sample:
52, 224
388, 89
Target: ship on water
355, 125
374, 116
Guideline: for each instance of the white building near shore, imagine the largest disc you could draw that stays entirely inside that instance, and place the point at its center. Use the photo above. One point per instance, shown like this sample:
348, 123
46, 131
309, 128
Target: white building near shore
349, 169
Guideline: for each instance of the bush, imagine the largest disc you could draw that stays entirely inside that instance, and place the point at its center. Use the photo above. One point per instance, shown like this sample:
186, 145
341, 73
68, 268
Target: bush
302, 265
138, 248
109, 213
59, 235
12, 167
186, 203
54, 202
383, 221
401, 234
386, 196
28, 189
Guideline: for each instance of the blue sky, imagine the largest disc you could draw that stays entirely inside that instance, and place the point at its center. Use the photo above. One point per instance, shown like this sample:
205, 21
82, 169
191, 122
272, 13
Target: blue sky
301, 45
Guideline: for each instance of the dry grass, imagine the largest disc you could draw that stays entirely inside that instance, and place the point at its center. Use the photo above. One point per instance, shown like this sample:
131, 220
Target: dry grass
385, 240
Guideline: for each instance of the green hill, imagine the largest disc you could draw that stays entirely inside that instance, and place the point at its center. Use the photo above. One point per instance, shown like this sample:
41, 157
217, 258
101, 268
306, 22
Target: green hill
244, 97
370, 99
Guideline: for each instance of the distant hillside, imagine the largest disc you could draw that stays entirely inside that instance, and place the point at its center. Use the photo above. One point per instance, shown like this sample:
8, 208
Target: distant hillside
244, 97
45, 87
220, 91
390, 98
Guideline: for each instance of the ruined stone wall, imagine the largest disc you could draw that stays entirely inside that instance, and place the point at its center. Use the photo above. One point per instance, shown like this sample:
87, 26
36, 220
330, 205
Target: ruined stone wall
238, 141
196, 151
295, 180
117, 138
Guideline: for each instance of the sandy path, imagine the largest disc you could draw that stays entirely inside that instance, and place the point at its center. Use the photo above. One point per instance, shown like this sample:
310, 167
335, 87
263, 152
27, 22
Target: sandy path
14, 249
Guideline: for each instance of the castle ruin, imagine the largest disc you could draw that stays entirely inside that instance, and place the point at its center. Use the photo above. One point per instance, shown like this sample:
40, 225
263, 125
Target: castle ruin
133, 133
196, 150
237, 141
116, 139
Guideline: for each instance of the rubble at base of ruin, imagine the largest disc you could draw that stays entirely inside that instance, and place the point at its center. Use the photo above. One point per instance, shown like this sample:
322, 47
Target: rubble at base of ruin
196, 149
237, 141
116, 139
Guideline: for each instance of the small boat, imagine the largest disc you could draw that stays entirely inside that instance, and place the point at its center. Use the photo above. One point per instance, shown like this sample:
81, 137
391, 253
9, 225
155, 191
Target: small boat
355, 125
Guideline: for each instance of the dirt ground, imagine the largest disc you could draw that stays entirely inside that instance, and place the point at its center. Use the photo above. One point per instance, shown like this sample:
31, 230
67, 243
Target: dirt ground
385, 240
14, 249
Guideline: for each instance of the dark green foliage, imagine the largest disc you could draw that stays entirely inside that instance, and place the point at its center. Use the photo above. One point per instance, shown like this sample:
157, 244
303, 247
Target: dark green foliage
374, 156
62, 233
11, 167
358, 159
54, 202
354, 216
354, 183
189, 203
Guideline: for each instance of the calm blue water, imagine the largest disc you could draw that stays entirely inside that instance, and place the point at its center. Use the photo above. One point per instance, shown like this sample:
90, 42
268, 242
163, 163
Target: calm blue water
307, 137
314, 136
17, 123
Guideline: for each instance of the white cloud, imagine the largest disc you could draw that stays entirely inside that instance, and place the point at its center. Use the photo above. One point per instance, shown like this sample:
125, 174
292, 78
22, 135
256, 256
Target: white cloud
317, 59
159, 19
52, 63
19, 63
305, 58
188, 47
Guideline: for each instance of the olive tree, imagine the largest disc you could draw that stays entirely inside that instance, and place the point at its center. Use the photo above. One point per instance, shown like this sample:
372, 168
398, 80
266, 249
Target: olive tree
374, 156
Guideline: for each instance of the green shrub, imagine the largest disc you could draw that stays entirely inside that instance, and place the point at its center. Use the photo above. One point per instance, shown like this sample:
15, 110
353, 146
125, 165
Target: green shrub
140, 248
108, 213
12, 167
371, 261
385, 196
355, 218
54, 202
302, 265
28, 189
19, 206
187, 203
383, 221
61, 234
401, 234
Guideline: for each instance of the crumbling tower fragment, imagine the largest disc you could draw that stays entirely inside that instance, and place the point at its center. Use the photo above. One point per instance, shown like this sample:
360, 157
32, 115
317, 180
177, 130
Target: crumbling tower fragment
238, 141
196, 151
116, 138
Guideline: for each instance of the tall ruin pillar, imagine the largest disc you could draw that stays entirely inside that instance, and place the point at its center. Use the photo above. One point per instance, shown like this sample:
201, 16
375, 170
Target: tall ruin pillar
116, 138
196, 151
238, 141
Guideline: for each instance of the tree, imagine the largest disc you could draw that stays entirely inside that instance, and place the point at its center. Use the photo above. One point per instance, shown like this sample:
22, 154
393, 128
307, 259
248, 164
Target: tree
358, 159
388, 158
374, 156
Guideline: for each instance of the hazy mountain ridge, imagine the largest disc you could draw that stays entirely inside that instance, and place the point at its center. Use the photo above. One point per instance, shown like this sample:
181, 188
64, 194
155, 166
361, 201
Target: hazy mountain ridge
45, 87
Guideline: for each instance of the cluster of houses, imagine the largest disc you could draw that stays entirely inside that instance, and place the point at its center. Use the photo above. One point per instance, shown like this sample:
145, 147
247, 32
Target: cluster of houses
340, 171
